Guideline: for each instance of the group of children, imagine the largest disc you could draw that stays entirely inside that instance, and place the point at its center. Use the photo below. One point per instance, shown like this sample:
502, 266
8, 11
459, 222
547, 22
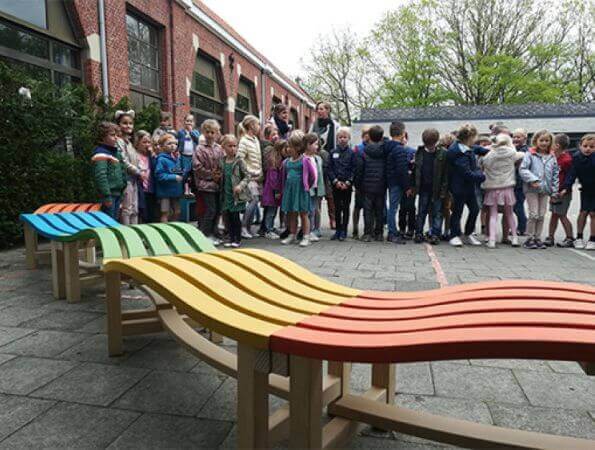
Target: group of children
142, 176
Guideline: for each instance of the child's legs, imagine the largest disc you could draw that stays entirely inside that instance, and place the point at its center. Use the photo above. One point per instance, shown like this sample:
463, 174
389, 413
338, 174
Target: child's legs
368, 214
316, 226
592, 226
379, 205
471, 202
436, 224
305, 221
312, 211
510, 220
235, 226
252, 206
543, 200
423, 206
458, 203
446, 213
493, 221
175, 209
291, 218
581, 222
533, 213
164, 207
269, 218
553, 225
567, 225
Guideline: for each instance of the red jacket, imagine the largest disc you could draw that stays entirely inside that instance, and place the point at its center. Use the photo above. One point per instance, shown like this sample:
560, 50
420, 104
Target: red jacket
564, 162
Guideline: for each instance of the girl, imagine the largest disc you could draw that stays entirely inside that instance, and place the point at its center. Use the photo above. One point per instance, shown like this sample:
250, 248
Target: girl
500, 172
168, 178
299, 176
187, 142
206, 164
146, 163
280, 119
125, 120
318, 191
234, 189
271, 194
249, 152
540, 174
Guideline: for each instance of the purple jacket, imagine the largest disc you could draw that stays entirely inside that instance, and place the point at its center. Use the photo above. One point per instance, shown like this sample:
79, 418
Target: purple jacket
309, 174
272, 183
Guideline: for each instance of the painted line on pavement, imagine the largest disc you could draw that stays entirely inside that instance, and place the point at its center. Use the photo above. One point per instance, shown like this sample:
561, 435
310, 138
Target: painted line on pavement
582, 254
440, 275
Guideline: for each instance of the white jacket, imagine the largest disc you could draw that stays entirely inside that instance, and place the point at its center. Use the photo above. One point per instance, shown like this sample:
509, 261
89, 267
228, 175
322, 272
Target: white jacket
499, 167
249, 151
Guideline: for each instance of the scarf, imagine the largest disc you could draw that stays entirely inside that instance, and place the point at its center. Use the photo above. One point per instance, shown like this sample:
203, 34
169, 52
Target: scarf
326, 133
282, 126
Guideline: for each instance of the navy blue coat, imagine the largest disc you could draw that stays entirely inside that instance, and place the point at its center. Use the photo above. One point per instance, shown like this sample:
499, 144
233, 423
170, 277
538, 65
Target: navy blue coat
341, 166
398, 164
371, 169
583, 168
463, 173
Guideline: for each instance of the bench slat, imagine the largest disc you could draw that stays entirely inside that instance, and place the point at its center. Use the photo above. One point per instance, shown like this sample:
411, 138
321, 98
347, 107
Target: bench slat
151, 238
173, 237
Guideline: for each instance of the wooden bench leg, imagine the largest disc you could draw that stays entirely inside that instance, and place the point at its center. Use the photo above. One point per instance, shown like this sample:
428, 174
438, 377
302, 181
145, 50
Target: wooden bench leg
216, 338
30, 247
72, 273
90, 253
58, 272
253, 401
305, 403
383, 376
588, 367
114, 313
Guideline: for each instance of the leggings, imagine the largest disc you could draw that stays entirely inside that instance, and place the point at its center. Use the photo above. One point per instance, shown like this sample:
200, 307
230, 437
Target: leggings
510, 220
537, 205
234, 225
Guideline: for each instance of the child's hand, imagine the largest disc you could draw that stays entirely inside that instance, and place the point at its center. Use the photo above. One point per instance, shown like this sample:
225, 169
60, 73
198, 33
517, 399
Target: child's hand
237, 189
563, 192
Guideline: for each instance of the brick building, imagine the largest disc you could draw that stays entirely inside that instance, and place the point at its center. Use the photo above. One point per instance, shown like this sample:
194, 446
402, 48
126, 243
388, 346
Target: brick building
178, 53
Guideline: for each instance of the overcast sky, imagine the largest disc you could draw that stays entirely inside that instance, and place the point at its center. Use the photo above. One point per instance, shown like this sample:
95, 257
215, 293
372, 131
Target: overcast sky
284, 31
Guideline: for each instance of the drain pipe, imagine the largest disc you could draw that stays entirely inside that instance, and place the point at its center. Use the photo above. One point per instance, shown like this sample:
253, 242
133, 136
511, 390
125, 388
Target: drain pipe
264, 73
103, 50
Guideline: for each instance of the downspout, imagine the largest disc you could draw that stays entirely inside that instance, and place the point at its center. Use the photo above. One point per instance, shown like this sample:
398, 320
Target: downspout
172, 60
103, 51
264, 73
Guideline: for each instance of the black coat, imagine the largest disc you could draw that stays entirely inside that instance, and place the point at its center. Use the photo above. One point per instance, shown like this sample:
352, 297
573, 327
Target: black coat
342, 163
371, 169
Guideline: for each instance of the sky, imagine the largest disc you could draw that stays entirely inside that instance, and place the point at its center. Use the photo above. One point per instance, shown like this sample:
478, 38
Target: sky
284, 31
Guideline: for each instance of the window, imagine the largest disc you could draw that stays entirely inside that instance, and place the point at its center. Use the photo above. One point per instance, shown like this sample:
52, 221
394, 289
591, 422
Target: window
31, 11
293, 118
205, 91
40, 56
143, 62
245, 101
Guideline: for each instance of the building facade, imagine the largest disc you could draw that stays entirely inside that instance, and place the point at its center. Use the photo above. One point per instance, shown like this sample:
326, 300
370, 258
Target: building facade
177, 53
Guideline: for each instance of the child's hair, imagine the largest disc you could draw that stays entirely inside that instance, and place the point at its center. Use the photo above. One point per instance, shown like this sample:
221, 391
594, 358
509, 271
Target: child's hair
275, 157
397, 128
268, 130
521, 131
226, 139
119, 115
139, 136
430, 137
296, 141
587, 137
210, 125
485, 137
279, 108
376, 133
500, 129
188, 115
502, 140
541, 133
309, 139
365, 130
164, 115
245, 124
447, 139
344, 130
466, 132
562, 140
163, 139
104, 128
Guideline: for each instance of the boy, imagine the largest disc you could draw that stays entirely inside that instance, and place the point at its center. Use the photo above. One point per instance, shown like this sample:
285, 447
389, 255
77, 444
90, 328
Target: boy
519, 139
165, 126
397, 175
407, 206
359, 198
559, 204
168, 178
109, 169
431, 184
583, 168
340, 173
371, 181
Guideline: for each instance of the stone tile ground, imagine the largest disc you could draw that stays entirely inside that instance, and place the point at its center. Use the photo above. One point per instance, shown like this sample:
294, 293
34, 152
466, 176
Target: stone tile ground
58, 387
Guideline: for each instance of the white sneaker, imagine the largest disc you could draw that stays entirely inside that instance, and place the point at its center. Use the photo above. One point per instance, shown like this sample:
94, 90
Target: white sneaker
235, 245
216, 242
305, 242
491, 244
313, 237
590, 245
472, 240
228, 245
578, 243
271, 235
288, 240
246, 234
515, 241
456, 242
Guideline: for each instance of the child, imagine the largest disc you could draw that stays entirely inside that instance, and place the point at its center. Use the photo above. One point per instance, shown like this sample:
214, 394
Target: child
540, 173
431, 184
407, 205
234, 189
168, 178
165, 126
299, 176
206, 166
583, 169
146, 163
463, 178
249, 151
371, 179
559, 204
318, 191
125, 120
446, 140
519, 139
499, 167
271, 195
341, 172
270, 136
109, 169
359, 198
483, 140
188, 139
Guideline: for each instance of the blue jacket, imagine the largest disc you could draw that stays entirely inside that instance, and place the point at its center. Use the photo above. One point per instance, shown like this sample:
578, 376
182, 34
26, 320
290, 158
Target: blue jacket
583, 168
398, 164
194, 135
167, 168
463, 173
341, 166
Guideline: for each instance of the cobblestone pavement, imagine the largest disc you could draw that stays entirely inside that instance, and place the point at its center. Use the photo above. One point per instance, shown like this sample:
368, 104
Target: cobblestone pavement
58, 387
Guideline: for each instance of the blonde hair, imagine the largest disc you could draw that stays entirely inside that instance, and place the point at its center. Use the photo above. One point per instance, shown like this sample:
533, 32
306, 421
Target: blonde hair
587, 137
296, 141
520, 131
502, 140
245, 124
210, 124
466, 132
446, 140
227, 138
344, 130
366, 129
541, 133
139, 136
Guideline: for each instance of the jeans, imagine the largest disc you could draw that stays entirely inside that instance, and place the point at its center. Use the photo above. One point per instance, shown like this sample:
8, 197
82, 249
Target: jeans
269, 218
519, 210
428, 205
208, 220
407, 215
114, 209
252, 206
342, 199
314, 213
235, 226
459, 201
395, 194
373, 214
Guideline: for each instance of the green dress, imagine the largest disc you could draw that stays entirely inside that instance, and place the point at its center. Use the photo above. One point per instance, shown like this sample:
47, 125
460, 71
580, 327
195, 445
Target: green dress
295, 198
229, 203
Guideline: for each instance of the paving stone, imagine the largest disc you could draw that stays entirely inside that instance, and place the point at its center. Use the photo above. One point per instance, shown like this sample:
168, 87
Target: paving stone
482, 383
566, 367
163, 355
414, 378
44, 343
558, 390
12, 334
94, 349
158, 432
62, 320
13, 316
69, 425
170, 393
93, 384
4, 358
98, 325
17, 411
524, 364
374, 284
544, 420
23, 375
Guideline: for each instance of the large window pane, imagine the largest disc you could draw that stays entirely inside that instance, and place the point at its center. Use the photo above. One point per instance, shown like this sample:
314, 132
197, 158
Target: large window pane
22, 41
143, 54
204, 85
32, 11
65, 56
135, 70
36, 72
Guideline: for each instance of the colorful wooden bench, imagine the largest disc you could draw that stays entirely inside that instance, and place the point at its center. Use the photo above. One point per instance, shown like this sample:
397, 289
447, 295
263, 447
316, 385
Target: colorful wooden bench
35, 254
287, 320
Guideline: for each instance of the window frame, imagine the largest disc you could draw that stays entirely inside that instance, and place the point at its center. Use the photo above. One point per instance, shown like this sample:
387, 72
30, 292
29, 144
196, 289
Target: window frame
24, 22
253, 106
218, 86
156, 47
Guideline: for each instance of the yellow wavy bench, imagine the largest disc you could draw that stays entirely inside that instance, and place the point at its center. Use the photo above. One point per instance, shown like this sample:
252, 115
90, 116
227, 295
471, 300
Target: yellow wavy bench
287, 320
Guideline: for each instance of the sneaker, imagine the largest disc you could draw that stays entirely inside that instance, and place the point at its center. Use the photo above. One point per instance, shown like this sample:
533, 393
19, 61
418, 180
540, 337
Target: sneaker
317, 233
515, 241
578, 243
379, 238
342, 236
491, 244
566, 243
236, 245
507, 241
335, 236
434, 240
366, 238
408, 236
418, 239
284, 233
590, 246
456, 242
288, 240
313, 237
271, 235
530, 244
472, 240
540, 244
216, 242
306, 241
355, 236
445, 237
549, 241
261, 233
228, 245
246, 234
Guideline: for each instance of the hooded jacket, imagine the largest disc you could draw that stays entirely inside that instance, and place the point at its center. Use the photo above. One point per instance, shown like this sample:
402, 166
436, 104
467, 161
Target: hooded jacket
463, 173
109, 171
167, 168
206, 159
440, 178
371, 171
499, 167
583, 169
398, 159
541, 168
